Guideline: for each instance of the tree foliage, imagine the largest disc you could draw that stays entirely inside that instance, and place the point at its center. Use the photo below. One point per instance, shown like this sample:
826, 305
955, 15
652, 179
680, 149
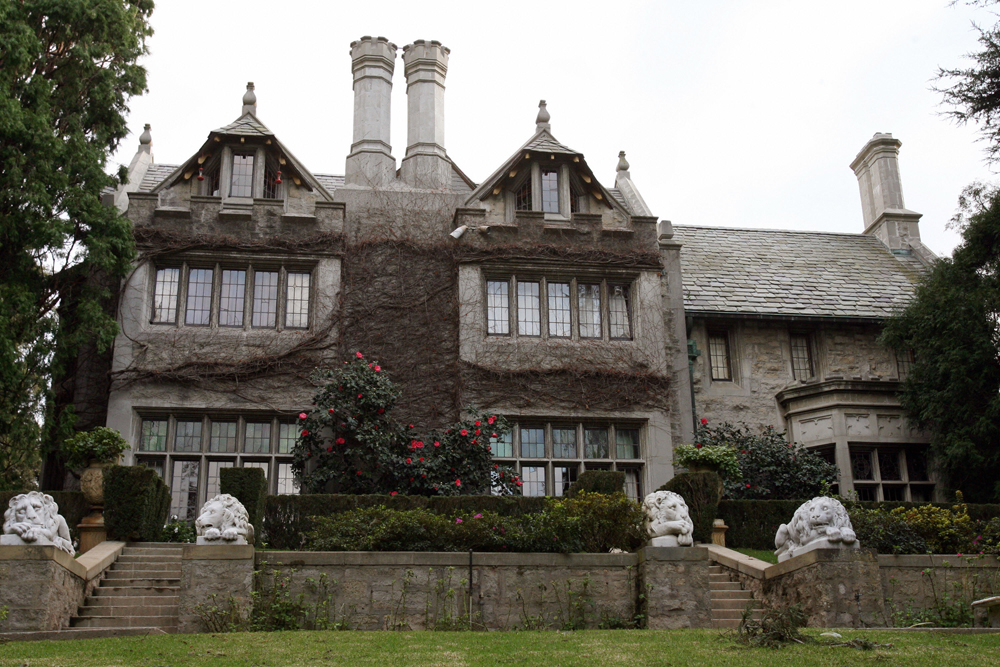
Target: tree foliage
952, 327
350, 443
67, 70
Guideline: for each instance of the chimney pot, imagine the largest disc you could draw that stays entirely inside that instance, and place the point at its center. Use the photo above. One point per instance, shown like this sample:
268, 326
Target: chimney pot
426, 163
370, 162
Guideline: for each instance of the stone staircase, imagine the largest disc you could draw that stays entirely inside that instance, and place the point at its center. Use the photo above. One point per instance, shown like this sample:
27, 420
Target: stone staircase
728, 598
141, 590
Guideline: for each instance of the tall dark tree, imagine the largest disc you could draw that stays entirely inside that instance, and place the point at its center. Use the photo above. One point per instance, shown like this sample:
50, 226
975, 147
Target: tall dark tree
67, 71
952, 327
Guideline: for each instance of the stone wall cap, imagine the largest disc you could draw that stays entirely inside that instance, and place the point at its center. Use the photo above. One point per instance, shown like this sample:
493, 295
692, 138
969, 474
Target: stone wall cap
43, 552
444, 559
673, 553
217, 552
820, 555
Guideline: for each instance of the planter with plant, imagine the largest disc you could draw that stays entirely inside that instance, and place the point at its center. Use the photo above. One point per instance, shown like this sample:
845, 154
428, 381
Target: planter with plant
95, 450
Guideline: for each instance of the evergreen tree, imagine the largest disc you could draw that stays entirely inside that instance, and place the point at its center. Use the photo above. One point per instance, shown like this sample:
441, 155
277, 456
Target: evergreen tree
67, 71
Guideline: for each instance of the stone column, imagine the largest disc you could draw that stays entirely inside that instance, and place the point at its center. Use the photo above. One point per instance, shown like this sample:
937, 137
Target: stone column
426, 164
370, 163
675, 582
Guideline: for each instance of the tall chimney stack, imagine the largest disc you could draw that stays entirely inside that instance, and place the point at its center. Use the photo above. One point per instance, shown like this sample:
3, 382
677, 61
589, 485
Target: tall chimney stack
886, 217
426, 163
370, 163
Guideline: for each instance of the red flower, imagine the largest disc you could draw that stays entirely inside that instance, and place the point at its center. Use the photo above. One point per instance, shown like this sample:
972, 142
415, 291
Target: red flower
463, 433
477, 430
408, 461
302, 415
420, 444
494, 435
437, 444
377, 368
421, 458
394, 493
329, 449
518, 482
359, 355
359, 395
495, 466
743, 451
331, 411
411, 425
381, 410
473, 442
478, 423
491, 420
424, 475
698, 446
704, 422
305, 433
458, 482
748, 486
359, 472
340, 441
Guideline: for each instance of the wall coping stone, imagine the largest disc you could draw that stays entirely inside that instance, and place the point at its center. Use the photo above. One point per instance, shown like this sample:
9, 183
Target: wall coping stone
817, 556
444, 559
672, 553
937, 560
217, 552
742, 563
88, 566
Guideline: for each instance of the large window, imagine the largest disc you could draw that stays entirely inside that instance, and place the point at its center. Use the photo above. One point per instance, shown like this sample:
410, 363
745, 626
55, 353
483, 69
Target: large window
888, 473
720, 360
550, 455
218, 295
188, 451
540, 307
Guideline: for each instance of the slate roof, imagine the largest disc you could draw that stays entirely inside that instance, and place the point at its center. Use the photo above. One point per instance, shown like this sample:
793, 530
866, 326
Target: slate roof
792, 273
330, 181
154, 174
546, 143
246, 125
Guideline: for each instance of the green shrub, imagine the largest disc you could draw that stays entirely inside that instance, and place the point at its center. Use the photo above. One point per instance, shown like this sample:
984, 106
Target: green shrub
587, 523
702, 492
719, 458
598, 481
179, 531
249, 486
987, 538
136, 502
946, 531
885, 532
753, 523
101, 444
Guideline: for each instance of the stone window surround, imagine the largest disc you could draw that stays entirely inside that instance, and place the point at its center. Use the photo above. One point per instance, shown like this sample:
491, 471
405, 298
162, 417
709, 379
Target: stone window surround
242, 264
877, 485
810, 342
726, 334
570, 192
545, 277
166, 458
580, 462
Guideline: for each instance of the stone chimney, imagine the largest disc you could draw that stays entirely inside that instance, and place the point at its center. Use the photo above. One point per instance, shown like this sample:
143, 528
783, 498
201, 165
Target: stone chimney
426, 163
137, 169
249, 101
885, 215
370, 163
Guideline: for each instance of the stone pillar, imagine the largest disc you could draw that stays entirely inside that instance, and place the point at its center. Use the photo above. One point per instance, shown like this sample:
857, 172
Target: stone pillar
885, 215
225, 571
42, 586
675, 582
370, 163
426, 164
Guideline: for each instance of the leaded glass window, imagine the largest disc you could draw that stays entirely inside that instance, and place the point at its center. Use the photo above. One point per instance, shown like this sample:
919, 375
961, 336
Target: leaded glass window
242, 181
265, 298
529, 312
550, 191
589, 299
232, 298
297, 301
165, 295
199, 297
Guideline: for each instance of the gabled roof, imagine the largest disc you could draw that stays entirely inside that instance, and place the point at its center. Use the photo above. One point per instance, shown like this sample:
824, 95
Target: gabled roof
247, 125
757, 272
542, 142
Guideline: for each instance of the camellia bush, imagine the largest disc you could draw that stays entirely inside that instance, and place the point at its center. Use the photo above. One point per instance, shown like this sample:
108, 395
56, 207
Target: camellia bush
349, 443
771, 468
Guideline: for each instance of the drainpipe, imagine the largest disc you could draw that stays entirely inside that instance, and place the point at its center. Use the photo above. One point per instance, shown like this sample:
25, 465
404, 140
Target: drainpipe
693, 354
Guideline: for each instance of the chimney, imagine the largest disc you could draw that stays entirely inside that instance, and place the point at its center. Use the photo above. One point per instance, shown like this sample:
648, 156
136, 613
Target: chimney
370, 163
249, 101
885, 216
426, 164
137, 169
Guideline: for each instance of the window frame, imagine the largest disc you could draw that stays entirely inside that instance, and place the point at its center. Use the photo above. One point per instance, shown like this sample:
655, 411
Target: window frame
877, 485
724, 334
514, 330
218, 174
805, 339
250, 270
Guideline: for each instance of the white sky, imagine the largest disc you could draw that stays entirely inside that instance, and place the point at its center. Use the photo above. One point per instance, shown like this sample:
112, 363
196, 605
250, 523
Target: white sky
739, 114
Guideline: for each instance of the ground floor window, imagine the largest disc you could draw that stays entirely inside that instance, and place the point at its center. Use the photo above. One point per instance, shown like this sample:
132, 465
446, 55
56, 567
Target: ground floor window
189, 451
550, 455
891, 473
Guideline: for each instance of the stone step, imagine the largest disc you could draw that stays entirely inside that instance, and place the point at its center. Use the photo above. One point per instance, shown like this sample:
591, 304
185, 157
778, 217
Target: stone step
720, 576
726, 623
716, 569
724, 586
721, 614
167, 623
732, 603
149, 558
144, 569
130, 600
154, 545
125, 588
112, 577
731, 595
89, 611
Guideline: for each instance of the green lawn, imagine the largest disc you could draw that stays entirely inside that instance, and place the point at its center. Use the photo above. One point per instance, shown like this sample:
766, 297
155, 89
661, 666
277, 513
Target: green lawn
602, 648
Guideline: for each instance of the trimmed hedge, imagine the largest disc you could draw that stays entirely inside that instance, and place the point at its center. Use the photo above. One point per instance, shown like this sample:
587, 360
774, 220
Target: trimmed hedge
753, 523
72, 506
701, 491
287, 519
598, 481
249, 486
136, 503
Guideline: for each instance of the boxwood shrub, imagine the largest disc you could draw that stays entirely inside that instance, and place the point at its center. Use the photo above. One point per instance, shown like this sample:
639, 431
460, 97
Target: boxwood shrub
136, 502
249, 486
598, 481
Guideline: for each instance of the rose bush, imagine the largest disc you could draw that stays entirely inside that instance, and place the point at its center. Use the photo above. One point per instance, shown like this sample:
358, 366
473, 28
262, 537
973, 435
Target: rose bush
349, 443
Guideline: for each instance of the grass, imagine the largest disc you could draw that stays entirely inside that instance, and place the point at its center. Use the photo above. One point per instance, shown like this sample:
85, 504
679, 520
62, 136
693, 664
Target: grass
759, 553
603, 648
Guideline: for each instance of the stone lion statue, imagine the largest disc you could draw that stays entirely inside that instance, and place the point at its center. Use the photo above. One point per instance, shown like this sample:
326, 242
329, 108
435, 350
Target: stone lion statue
33, 518
223, 519
820, 523
668, 522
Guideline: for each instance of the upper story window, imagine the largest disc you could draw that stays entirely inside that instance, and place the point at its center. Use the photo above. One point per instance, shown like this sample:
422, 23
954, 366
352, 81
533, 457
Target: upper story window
223, 296
559, 308
802, 360
719, 357
236, 173
242, 181
904, 361
552, 189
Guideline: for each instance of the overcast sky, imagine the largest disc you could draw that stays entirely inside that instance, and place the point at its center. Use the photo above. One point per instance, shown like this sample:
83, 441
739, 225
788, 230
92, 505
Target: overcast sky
737, 114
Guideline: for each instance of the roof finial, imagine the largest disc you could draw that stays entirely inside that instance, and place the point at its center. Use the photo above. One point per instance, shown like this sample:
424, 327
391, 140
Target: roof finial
145, 140
250, 100
542, 119
622, 162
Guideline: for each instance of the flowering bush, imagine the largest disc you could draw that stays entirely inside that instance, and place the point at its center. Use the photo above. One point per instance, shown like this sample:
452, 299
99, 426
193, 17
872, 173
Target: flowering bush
349, 443
101, 444
720, 458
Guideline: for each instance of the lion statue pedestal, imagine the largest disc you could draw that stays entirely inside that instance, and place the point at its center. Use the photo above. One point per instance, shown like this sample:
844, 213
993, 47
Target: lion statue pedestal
668, 522
224, 520
820, 523
33, 519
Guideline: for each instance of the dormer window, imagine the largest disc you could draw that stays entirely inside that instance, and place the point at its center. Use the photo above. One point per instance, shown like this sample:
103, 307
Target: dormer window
239, 169
242, 182
550, 191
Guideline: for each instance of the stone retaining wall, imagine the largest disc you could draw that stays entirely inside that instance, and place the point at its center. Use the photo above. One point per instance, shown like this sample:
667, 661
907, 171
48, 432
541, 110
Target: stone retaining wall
213, 576
921, 581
